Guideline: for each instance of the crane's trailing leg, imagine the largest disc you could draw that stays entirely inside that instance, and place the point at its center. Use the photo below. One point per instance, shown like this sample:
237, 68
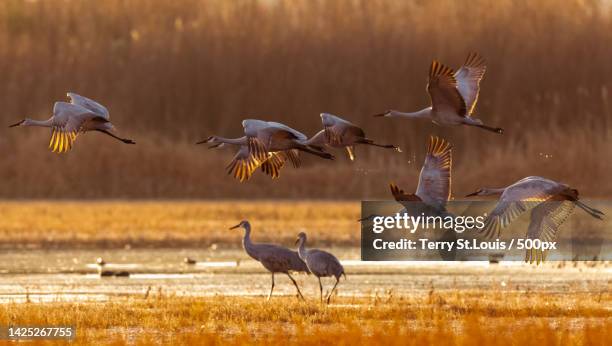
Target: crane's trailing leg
351, 152
321, 289
296, 287
478, 123
386, 146
332, 291
271, 288
124, 140
591, 211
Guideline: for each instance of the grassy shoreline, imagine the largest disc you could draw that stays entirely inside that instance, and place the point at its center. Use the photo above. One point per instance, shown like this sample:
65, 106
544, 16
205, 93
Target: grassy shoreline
435, 317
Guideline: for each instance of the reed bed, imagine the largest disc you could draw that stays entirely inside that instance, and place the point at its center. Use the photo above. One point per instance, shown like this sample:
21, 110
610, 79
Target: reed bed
174, 72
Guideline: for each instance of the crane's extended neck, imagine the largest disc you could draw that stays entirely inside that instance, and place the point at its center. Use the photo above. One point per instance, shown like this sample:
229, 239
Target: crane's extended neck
236, 141
247, 244
422, 114
301, 243
488, 192
33, 122
317, 140
494, 191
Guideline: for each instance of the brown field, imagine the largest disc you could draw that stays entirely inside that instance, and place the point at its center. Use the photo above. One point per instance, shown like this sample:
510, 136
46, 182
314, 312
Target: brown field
437, 318
173, 72
173, 224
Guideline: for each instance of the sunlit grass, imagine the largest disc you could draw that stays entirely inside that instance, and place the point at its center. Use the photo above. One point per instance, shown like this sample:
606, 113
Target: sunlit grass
437, 318
171, 224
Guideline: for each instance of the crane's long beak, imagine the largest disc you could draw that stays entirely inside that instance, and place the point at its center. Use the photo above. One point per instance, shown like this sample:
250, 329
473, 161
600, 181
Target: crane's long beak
297, 240
17, 124
379, 115
234, 227
472, 194
204, 140
367, 218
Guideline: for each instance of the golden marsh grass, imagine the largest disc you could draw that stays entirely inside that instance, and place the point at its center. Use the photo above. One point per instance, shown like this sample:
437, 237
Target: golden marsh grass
173, 224
460, 318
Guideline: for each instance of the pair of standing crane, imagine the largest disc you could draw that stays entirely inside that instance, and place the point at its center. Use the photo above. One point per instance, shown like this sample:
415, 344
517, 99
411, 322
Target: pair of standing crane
279, 259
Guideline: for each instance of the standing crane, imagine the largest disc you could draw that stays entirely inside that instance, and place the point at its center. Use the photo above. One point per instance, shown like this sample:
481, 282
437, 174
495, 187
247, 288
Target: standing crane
550, 202
275, 258
340, 133
453, 95
69, 120
320, 263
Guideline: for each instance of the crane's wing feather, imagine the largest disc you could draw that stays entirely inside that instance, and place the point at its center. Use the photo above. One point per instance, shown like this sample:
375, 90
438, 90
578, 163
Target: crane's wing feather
442, 89
243, 164
276, 161
277, 258
323, 263
403, 198
546, 219
339, 131
342, 133
468, 79
68, 122
262, 136
512, 203
435, 178
90, 104
297, 134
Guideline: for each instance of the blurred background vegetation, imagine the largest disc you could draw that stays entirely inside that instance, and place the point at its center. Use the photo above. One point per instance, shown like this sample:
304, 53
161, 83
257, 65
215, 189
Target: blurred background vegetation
174, 72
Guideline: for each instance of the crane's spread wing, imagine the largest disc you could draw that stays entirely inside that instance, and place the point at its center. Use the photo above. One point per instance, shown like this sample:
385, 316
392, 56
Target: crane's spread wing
435, 178
512, 203
278, 126
68, 122
468, 79
293, 156
546, 219
89, 104
403, 198
243, 164
442, 89
276, 161
273, 164
265, 139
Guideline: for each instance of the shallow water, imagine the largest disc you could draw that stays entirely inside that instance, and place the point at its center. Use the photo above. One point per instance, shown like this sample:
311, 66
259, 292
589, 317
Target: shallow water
66, 275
